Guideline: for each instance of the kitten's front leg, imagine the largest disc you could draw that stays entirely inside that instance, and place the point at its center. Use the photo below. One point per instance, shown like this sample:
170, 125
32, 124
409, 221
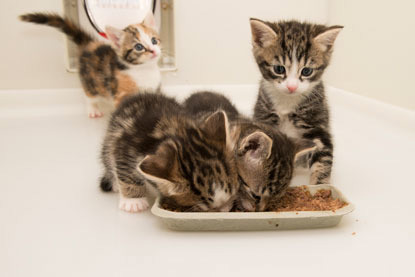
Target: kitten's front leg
93, 108
321, 161
133, 205
270, 118
321, 171
132, 197
264, 111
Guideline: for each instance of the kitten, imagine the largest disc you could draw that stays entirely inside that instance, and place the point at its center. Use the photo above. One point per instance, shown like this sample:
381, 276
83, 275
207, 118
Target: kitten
200, 103
111, 71
151, 140
264, 156
292, 57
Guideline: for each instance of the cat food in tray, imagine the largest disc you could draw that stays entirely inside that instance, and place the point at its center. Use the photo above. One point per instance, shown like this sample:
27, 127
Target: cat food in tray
250, 221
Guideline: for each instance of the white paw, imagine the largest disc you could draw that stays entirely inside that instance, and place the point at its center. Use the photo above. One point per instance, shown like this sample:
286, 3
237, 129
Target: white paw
95, 114
133, 205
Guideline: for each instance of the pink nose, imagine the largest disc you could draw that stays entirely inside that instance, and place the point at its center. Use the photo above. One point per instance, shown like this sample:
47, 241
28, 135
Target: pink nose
292, 88
153, 53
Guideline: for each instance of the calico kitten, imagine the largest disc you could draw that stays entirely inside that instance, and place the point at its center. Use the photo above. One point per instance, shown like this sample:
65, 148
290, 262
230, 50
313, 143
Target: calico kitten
292, 57
264, 156
151, 140
111, 71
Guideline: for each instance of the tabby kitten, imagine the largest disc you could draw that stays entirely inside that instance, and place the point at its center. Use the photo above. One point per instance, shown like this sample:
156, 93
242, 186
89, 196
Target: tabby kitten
111, 71
292, 57
264, 156
151, 140
198, 104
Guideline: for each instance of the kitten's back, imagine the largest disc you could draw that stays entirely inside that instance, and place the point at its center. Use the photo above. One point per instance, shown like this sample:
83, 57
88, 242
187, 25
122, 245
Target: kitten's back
203, 102
139, 116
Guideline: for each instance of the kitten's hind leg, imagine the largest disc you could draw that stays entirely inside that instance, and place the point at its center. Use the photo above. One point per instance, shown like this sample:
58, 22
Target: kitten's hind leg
92, 107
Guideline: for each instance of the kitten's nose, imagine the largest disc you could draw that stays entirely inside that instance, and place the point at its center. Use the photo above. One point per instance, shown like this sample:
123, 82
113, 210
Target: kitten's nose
292, 88
153, 53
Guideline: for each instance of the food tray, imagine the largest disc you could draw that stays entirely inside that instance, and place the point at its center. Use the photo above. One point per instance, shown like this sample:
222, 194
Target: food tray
254, 221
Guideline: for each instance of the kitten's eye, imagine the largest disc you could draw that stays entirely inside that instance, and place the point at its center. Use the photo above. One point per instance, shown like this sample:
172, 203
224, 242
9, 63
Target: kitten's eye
139, 47
154, 41
307, 71
279, 69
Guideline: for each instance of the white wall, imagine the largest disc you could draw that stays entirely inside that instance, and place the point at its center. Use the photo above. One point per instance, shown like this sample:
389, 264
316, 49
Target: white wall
375, 53
213, 38
213, 41
31, 56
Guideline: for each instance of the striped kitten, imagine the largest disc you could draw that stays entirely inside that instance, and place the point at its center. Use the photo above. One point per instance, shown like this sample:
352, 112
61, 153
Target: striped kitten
264, 156
111, 71
190, 162
292, 57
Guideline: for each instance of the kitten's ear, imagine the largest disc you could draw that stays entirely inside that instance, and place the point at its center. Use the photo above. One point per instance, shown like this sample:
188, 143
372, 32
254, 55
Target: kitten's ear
303, 147
150, 21
160, 167
114, 35
216, 127
325, 40
256, 147
262, 34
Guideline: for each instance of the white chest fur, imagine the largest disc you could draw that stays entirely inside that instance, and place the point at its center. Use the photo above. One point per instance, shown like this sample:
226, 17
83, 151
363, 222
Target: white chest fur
146, 76
284, 105
287, 127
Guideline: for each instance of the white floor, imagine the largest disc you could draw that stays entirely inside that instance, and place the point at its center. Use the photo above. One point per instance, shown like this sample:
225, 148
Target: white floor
56, 222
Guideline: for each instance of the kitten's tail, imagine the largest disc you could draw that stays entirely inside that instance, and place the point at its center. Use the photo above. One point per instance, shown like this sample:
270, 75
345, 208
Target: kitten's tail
106, 184
65, 25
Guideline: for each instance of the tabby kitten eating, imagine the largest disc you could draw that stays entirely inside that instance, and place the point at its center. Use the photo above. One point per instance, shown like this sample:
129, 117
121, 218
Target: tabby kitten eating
292, 57
264, 156
111, 71
190, 162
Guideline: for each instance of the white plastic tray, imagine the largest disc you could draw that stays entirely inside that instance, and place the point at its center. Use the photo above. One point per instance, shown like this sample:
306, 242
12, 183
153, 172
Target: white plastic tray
254, 221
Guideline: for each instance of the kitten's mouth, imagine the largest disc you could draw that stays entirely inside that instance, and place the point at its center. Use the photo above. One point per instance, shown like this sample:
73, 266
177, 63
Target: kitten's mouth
290, 93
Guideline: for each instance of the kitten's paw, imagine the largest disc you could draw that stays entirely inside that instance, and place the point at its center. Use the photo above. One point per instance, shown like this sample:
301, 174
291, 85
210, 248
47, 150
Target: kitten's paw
95, 114
133, 205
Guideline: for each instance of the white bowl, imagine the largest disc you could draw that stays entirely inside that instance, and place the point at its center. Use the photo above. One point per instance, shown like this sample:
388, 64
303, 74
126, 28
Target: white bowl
254, 221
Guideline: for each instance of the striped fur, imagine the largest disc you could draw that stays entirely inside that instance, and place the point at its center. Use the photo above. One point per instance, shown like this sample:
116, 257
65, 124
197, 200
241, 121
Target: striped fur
290, 100
65, 25
150, 140
112, 70
264, 156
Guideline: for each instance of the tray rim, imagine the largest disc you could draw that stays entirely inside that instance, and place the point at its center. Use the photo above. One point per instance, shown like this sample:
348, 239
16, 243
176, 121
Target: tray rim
165, 214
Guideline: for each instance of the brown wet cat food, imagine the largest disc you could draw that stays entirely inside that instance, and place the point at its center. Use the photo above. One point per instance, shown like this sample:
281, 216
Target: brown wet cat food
297, 199
300, 199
